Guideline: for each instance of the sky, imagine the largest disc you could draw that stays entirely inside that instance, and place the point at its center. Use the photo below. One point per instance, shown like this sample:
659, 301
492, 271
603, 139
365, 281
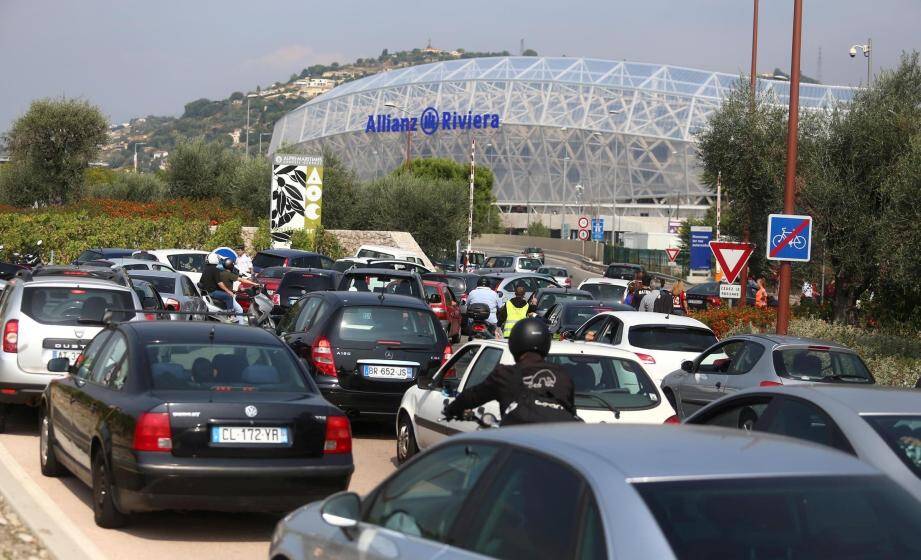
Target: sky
135, 58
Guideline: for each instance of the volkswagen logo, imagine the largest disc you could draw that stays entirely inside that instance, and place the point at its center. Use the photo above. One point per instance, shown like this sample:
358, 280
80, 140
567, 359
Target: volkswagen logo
388, 354
429, 120
251, 411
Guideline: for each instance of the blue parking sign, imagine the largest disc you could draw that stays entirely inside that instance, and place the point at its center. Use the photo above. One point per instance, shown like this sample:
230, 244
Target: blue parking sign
597, 229
789, 238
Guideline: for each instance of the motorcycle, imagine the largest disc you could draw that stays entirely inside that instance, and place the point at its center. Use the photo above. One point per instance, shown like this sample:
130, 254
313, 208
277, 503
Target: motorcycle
480, 327
258, 312
484, 420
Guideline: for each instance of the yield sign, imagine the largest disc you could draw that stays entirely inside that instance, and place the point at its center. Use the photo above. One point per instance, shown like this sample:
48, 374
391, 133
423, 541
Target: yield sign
732, 257
672, 253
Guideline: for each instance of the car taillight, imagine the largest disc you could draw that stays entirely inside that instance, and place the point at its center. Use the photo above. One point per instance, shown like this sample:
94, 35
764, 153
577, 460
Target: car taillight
321, 357
152, 432
150, 316
447, 354
439, 311
673, 419
645, 358
11, 336
770, 384
479, 327
338, 435
276, 299
172, 304
714, 300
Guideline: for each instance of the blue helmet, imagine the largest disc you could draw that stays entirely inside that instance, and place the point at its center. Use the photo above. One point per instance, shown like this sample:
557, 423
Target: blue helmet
226, 253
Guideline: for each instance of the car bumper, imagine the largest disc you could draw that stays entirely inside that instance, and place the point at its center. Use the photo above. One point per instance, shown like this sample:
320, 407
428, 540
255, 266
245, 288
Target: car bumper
364, 402
20, 387
162, 482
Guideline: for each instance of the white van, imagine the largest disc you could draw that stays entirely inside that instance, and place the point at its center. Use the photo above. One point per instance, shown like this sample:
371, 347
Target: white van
379, 252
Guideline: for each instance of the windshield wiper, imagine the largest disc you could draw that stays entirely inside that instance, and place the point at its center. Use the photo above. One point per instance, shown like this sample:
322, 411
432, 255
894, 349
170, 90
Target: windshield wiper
606, 404
844, 377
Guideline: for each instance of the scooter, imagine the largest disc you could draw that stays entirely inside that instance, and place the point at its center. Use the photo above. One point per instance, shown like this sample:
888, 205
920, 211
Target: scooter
480, 328
484, 420
260, 308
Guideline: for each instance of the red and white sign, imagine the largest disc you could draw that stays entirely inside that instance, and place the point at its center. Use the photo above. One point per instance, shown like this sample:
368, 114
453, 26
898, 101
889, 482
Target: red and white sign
583, 222
732, 257
672, 253
584, 235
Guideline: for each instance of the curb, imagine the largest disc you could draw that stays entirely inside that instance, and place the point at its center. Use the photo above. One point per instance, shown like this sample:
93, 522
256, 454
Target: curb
40, 514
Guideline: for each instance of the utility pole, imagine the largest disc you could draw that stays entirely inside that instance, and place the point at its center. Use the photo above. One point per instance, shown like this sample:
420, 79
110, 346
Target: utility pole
247, 125
753, 85
470, 209
789, 193
136, 144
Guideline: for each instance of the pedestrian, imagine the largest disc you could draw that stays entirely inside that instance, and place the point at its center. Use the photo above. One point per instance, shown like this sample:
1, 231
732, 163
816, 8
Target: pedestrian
514, 310
244, 263
648, 303
641, 288
761, 296
808, 292
628, 299
679, 299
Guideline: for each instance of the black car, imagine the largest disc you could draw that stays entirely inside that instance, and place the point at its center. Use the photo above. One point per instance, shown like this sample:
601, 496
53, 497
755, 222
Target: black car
567, 316
365, 349
103, 254
192, 416
291, 257
297, 283
703, 296
546, 297
623, 271
383, 281
460, 282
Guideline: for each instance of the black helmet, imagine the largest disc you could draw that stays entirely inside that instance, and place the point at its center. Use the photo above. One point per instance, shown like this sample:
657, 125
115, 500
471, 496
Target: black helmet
483, 282
529, 335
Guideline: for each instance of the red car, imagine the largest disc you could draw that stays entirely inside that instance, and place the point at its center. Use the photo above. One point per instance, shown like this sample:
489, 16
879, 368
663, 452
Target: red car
445, 306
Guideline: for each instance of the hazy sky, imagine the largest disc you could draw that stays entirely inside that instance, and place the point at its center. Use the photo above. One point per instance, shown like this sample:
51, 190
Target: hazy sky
137, 58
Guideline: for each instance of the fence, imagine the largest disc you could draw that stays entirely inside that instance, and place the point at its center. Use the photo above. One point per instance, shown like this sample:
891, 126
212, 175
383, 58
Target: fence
654, 260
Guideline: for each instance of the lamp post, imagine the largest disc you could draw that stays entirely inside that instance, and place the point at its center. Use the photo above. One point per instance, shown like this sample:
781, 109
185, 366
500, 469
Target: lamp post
409, 133
136, 144
614, 188
261, 134
565, 191
867, 51
248, 97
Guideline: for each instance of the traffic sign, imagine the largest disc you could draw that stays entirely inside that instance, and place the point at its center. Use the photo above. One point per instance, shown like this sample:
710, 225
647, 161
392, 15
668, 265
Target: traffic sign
584, 235
672, 253
731, 256
583, 222
597, 229
789, 238
730, 291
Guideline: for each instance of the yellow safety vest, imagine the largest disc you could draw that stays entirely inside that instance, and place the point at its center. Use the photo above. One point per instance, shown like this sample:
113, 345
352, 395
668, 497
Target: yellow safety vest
513, 315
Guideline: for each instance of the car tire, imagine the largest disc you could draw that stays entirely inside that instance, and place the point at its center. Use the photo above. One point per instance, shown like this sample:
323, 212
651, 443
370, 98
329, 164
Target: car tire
406, 439
105, 513
47, 458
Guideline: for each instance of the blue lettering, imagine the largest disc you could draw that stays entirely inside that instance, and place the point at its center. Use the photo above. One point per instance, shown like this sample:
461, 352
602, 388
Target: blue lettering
412, 123
370, 126
446, 120
494, 122
477, 121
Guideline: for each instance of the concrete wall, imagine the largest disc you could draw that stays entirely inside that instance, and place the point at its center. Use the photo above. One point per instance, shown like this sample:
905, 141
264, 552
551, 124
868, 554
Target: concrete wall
521, 241
351, 240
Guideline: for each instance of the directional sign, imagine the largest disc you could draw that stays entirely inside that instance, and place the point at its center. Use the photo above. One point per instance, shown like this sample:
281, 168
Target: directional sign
584, 235
597, 229
732, 257
700, 254
583, 222
789, 238
730, 291
564, 231
672, 253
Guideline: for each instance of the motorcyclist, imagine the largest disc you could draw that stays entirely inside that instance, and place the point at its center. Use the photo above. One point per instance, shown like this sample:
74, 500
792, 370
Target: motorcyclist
228, 277
483, 293
531, 391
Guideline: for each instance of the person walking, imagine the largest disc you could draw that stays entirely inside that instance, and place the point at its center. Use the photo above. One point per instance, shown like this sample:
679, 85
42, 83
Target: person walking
648, 303
679, 299
640, 289
244, 263
761, 296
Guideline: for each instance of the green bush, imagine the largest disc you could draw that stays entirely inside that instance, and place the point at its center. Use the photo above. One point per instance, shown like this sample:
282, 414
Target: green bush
135, 187
320, 241
538, 229
227, 234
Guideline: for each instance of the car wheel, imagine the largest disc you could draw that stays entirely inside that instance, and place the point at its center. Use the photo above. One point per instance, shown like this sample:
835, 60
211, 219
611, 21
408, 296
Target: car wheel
48, 460
105, 513
747, 419
406, 439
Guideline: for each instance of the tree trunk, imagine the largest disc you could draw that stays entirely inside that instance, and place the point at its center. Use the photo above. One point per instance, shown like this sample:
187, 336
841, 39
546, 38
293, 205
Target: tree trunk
845, 299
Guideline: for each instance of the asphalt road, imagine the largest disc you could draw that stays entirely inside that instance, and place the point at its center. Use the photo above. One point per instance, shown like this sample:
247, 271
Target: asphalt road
199, 535
579, 275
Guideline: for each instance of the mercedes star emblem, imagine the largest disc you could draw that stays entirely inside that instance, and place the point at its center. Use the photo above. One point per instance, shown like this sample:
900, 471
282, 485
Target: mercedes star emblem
388, 354
251, 411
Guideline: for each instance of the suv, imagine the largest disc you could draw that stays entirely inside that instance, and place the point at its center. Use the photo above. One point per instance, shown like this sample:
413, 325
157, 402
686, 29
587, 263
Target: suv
297, 283
383, 281
291, 257
534, 253
509, 263
51, 313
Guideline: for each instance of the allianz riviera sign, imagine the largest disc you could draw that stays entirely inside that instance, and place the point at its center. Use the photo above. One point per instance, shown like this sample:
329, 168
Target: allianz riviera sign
431, 120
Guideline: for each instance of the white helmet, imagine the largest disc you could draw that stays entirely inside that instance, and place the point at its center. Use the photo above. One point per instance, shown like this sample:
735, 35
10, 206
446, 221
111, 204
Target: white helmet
213, 258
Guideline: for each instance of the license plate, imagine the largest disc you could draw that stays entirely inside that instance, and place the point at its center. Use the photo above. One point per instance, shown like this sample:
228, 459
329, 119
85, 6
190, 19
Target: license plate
249, 435
695, 302
387, 372
71, 355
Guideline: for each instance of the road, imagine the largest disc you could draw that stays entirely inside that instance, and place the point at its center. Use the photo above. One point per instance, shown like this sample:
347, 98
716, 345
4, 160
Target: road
199, 535
551, 258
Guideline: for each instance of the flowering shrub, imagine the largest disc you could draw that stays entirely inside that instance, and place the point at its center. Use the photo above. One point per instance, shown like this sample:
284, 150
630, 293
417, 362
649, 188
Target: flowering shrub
724, 320
181, 208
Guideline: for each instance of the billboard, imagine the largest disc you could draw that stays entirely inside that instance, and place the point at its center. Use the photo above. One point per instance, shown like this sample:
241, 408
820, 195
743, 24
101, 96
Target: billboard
700, 247
297, 195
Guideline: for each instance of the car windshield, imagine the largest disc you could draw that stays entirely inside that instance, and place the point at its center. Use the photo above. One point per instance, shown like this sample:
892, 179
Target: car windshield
578, 314
224, 368
382, 282
786, 517
476, 259
162, 284
620, 272
394, 324
187, 262
819, 363
368, 253
902, 433
605, 292
548, 300
265, 260
674, 338
67, 305
529, 264
549, 271
89, 255
603, 382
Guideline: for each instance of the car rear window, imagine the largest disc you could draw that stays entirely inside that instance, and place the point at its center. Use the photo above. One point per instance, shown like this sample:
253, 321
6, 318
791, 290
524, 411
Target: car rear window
273, 272
403, 325
476, 259
368, 253
89, 255
432, 291
552, 271
457, 285
671, 337
187, 262
819, 363
547, 300
605, 292
224, 368
381, 282
529, 264
621, 272
577, 314
66, 305
265, 260
532, 250
604, 382
708, 289
342, 266
786, 517
160, 283
902, 433
307, 281
307, 261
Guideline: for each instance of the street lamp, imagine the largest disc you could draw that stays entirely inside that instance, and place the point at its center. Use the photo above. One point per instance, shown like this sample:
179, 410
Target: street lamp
867, 49
409, 133
261, 134
248, 97
136, 144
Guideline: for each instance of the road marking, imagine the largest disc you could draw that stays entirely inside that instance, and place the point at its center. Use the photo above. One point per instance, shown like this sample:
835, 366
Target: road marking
39, 512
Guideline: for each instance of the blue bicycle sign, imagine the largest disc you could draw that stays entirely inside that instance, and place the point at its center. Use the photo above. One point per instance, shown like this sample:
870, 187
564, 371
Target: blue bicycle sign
789, 237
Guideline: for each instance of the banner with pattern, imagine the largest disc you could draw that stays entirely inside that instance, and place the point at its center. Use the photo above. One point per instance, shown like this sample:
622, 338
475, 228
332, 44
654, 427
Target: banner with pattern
297, 195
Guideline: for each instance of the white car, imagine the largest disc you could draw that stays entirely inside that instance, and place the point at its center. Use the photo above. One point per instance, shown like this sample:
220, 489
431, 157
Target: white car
606, 289
611, 386
139, 264
187, 261
379, 252
660, 341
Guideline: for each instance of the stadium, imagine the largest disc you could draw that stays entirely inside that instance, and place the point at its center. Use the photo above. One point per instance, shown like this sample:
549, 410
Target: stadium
561, 135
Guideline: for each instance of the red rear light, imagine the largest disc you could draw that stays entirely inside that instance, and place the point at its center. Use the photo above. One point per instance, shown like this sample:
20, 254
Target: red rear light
11, 336
479, 327
447, 354
714, 300
150, 316
826, 348
322, 357
8, 391
673, 419
338, 435
645, 358
388, 342
75, 273
770, 384
78, 292
152, 432
276, 299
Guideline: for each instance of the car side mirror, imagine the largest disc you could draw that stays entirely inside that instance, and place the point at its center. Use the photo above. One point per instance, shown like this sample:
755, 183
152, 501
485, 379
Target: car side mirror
341, 510
59, 365
687, 366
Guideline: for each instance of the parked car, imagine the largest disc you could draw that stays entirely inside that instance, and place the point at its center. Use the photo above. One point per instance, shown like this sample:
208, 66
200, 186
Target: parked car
150, 300
534, 253
879, 425
474, 260
703, 296
552, 491
610, 386
186, 261
661, 342
559, 274
130, 264
445, 305
623, 271
103, 254
398, 265
565, 317
546, 297
380, 252
606, 289
760, 360
341, 265
270, 278
291, 257
364, 349
192, 416
383, 281
509, 264
176, 289
460, 282
297, 283
52, 313
505, 284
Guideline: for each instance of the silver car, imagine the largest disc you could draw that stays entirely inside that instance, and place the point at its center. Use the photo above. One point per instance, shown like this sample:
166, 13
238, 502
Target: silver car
559, 274
754, 360
509, 263
880, 425
505, 284
604, 491
176, 289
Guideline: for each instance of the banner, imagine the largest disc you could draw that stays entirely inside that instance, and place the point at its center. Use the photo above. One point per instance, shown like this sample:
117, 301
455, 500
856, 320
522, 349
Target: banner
297, 195
700, 247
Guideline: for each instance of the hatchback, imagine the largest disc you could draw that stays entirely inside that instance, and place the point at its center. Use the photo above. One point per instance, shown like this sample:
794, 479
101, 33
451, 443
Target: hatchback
565, 317
606, 289
545, 298
623, 271
297, 283
176, 289
505, 283
534, 253
559, 274
446, 307
102, 254
291, 257
383, 281
189, 262
365, 349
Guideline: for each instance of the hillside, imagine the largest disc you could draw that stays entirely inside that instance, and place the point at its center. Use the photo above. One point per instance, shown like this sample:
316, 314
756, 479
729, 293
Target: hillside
224, 120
